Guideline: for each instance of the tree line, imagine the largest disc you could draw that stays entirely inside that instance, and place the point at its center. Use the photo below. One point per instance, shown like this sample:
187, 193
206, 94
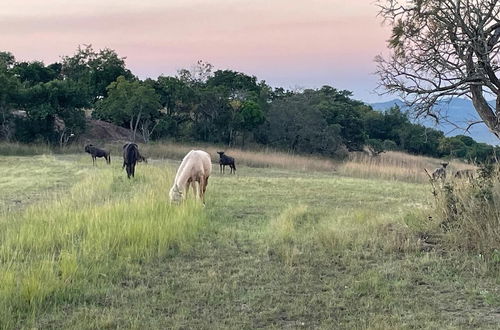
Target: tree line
47, 103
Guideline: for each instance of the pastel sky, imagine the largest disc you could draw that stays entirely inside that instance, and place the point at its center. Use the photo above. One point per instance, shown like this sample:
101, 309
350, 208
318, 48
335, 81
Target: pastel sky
287, 43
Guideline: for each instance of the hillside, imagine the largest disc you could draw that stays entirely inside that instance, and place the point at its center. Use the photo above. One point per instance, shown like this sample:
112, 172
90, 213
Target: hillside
457, 111
102, 131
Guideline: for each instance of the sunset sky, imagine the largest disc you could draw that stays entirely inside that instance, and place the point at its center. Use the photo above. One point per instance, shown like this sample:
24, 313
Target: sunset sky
287, 43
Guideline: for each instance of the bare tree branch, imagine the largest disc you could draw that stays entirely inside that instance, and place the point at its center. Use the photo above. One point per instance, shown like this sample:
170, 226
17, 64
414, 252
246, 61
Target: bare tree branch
442, 49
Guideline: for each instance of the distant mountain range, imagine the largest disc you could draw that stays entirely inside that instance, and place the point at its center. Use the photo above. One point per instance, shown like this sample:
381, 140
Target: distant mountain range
458, 111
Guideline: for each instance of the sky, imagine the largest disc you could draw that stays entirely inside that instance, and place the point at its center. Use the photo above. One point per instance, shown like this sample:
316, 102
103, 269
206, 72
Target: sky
288, 43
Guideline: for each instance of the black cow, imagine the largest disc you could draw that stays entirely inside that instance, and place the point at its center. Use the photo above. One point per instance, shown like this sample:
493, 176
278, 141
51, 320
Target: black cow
131, 156
97, 153
226, 160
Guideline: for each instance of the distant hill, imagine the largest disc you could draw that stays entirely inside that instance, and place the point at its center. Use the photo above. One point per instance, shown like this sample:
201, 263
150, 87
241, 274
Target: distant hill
458, 111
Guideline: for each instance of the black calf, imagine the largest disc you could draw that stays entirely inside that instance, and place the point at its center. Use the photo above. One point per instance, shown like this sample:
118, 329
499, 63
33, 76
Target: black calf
97, 153
226, 160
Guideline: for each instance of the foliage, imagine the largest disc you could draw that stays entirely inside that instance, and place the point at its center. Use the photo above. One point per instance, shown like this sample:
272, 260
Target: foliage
94, 70
133, 103
294, 124
468, 214
206, 105
9, 94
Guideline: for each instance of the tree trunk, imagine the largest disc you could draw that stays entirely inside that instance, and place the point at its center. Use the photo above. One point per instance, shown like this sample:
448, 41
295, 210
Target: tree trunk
484, 110
132, 135
137, 123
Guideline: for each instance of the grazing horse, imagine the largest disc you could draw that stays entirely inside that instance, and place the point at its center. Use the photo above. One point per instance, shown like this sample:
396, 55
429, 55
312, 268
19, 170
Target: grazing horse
97, 153
226, 160
131, 156
195, 167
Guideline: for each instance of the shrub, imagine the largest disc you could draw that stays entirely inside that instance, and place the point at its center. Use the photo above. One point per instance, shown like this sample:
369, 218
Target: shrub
469, 213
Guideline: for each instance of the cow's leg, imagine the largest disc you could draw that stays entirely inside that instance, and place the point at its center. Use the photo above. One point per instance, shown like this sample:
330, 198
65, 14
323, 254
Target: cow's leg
220, 168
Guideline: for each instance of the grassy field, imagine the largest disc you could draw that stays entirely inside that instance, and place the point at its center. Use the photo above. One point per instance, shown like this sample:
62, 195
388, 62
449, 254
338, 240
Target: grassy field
275, 247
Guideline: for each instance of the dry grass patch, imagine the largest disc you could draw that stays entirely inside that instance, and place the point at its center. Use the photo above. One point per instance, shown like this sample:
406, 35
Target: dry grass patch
395, 166
261, 158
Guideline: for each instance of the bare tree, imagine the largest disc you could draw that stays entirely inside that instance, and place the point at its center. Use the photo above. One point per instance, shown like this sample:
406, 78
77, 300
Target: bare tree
442, 49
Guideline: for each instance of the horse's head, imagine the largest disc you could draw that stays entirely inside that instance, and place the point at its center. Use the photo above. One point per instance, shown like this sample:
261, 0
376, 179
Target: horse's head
175, 194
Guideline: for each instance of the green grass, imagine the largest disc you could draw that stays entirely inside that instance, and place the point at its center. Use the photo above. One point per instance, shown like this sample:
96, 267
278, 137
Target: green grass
88, 237
273, 248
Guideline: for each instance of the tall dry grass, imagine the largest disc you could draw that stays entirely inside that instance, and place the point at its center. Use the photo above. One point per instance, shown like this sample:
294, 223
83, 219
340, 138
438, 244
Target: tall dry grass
389, 165
258, 158
395, 166
468, 214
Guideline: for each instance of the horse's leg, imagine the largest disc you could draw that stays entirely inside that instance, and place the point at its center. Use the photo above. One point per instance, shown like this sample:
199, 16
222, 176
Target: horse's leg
187, 189
201, 183
204, 189
196, 189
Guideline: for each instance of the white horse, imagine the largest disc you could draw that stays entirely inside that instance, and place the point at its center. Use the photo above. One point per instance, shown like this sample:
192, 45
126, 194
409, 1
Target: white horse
195, 167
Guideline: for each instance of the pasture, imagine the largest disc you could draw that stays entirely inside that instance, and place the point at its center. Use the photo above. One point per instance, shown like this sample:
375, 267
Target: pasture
275, 247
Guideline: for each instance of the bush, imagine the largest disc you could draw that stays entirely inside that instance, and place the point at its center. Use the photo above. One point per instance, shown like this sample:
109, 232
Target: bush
469, 213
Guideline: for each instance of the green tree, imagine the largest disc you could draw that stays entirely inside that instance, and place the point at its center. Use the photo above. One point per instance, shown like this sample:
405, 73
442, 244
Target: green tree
32, 73
250, 117
178, 101
94, 70
131, 103
244, 101
293, 124
9, 95
53, 112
